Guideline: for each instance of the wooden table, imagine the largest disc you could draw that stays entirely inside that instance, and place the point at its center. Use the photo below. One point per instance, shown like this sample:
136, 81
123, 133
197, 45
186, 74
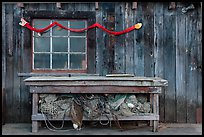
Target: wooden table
97, 84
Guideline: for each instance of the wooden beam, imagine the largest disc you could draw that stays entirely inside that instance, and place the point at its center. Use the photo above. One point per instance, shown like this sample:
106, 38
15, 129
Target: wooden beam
20, 5
96, 5
58, 4
134, 5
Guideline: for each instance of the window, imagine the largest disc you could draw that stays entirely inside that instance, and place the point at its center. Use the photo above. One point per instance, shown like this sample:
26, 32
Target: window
58, 49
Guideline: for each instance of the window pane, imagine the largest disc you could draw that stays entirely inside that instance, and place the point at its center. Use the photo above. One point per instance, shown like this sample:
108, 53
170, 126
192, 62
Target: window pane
59, 61
77, 61
41, 44
77, 25
41, 61
57, 31
77, 44
41, 23
59, 44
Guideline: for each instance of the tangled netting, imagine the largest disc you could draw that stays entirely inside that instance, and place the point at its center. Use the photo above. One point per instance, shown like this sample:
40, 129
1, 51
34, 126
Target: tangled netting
93, 106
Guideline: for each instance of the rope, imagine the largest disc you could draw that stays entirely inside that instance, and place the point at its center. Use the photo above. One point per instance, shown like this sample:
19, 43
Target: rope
56, 129
24, 23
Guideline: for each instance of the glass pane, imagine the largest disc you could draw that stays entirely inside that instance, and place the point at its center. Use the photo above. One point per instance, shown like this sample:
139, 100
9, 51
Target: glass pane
59, 61
77, 61
59, 44
57, 31
41, 23
77, 25
41, 61
41, 44
77, 44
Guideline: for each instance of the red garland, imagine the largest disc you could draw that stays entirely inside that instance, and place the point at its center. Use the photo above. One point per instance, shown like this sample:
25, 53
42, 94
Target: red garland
26, 24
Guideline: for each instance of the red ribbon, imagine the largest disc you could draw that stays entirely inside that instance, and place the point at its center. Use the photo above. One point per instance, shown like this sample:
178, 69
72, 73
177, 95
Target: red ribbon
27, 25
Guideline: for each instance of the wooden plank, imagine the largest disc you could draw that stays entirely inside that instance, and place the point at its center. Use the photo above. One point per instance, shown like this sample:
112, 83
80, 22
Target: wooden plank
129, 40
180, 69
91, 45
69, 6
104, 37
92, 89
35, 124
158, 51
111, 41
99, 44
16, 66
3, 46
97, 83
119, 75
119, 40
135, 117
96, 78
148, 39
191, 64
55, 74
9, 62
139, 43
3, 65
169, 64
199, 55
155, 112
26, 52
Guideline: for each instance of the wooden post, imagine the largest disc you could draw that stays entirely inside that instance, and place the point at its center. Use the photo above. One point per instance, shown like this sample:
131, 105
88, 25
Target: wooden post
156, 111
151, 106
134, 5
35, 123
58, 4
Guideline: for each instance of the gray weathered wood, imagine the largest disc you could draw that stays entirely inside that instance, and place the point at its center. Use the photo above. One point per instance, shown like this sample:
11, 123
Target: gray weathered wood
129, 40
148, 39
158, 50
35, 123
148, 116
119, 40
169, 64
139, 43
191, 66
199, 56
91, 89
165, 41
180, 71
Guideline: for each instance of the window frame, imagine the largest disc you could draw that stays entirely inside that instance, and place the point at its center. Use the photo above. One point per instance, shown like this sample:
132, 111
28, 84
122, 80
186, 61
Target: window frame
69, 53
76, 15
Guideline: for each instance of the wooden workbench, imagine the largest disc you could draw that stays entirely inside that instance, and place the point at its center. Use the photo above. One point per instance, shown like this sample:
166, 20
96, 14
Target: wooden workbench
97, 84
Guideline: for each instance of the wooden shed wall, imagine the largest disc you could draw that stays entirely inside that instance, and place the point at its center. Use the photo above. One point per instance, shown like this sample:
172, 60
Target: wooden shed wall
169, 45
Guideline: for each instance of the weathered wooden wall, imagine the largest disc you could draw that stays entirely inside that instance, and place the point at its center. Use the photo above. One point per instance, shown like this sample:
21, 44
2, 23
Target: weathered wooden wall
169, 45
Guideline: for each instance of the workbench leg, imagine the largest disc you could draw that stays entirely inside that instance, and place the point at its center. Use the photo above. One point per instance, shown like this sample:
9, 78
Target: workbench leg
35, 126
155, 111
151, 102
35, 123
